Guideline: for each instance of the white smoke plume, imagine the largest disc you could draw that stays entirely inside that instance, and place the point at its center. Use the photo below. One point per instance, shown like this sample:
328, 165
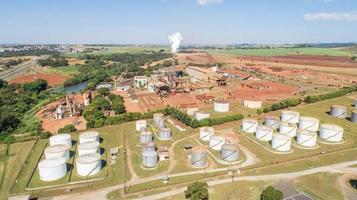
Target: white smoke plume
175, 41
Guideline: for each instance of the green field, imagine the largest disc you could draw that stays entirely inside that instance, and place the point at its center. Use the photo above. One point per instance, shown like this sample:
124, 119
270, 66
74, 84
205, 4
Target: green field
282, 51
67, 70
128, 49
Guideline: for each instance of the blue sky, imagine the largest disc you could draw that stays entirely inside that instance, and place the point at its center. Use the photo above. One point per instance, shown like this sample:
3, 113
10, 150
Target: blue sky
199, 21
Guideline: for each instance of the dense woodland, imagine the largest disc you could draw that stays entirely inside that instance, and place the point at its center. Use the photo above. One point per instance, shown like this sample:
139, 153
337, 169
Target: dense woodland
12, 62
31, 52
55, 61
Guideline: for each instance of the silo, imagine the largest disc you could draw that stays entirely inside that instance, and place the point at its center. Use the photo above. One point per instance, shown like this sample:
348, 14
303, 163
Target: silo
331, 133
165, 134
140, 125
89, 136
199, 156
354, 116
338, 111
88, 148
221, 105
206, 133
216, 142
264, 133
88, 164
252, 104
272, 122
309, 123
355, 103
57, 151
149, 146
149, 158
281, 143
306, 138
200, 115
61, 139
52, 169
157, 118
288, 116
288, 129
229, 152
145, 137
249, 125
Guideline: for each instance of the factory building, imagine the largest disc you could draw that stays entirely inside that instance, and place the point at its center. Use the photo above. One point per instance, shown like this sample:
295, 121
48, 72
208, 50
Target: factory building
200, 74
141, 81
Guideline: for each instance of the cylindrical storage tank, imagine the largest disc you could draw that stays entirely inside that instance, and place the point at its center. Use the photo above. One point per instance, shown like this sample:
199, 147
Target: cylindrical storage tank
88, 164
281, 143
288, 116
206, 133
216, 142
338, 111
252, 104
221, 106
52, 169
140, 125
160, 124
264, 133
272, 122
146, 137
88, 148
331, 133
309, 123
229, 152
200, 115
157, 118
354, 116
306, 138
165, 134
288, 129
150, 146
355, 103
57, 151
89, 136
149, 158
249, 125
199, 156
61, 139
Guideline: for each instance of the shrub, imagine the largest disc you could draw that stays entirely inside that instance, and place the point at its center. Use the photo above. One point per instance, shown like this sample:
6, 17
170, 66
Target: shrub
270, 193
197, 191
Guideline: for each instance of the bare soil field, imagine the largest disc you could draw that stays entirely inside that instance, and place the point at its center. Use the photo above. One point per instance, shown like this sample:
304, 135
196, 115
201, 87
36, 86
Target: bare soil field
200, 58
52, 79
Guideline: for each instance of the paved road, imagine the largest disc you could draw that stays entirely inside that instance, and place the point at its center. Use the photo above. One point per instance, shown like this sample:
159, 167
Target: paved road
19, 69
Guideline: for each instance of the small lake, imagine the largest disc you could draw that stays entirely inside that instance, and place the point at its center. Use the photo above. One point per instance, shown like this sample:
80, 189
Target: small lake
76, 88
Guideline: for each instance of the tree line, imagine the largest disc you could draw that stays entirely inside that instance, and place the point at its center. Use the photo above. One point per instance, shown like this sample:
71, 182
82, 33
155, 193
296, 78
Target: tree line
53, 62
30, 52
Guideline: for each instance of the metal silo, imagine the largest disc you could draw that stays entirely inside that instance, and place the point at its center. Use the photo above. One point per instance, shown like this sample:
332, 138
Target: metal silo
264, 133
206, 133
288, 116
249, 125
52, 169
88, 148
140, 125
199, 156
309, 123
165, 134
149, 158
272, 122
145, 137
57, 151
229, 152
88, 164
331, 133
288, 129
61, 139
306, 138
281, 143
216, 142
200, 115
338, 111
221, 105
354, 116
157, 118
89, 136
150, 146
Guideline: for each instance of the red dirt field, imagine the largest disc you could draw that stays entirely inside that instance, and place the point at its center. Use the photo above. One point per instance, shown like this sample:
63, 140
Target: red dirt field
52, 125
52, 79
322, 61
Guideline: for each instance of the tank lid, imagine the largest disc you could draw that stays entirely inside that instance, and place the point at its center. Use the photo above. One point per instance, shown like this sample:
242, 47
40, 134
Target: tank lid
146, 133
62, 136
141, 121
88, 158
339, 106
149, 144
250, 120
52, 162
223, 101
306, 132
158, 115
265, 128
272, 117
56, 148
331, 127
149, 153
281, 137
231, 147
88, 145
165, 129
89, 134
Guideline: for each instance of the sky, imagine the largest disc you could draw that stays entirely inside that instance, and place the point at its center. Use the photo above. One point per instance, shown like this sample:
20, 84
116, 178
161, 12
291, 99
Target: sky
199, 21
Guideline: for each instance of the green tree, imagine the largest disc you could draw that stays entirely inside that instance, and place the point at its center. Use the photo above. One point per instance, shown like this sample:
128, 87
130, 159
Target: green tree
104, 91
36, 86
197, 191
67, 129
270, 193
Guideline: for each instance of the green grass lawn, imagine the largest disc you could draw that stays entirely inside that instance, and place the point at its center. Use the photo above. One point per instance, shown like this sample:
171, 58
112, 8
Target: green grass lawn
66, 70
281, 51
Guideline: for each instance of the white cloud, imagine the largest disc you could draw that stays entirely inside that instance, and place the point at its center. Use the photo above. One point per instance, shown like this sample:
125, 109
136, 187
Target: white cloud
208, 2
346, 16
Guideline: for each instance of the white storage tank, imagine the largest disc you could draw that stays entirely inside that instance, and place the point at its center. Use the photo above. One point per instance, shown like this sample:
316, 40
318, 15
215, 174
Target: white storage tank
206, 133
288, 129
216, 142
57, 151
200, 115
309, 123
88, 164
141, 125
281, 143
149, 158
331, 133
355, 103
252, 104
249, 125
165, 134
61, 139
89, 136
150, 146
157, 118
338, 111
288, 116
306, 138
88, 148
221, 105
199, 156
229, 152
146, 137
52, 169
272, 122
354, 116
264, 133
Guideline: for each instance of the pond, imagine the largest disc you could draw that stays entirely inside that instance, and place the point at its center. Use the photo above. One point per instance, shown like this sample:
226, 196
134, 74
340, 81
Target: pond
76, 88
